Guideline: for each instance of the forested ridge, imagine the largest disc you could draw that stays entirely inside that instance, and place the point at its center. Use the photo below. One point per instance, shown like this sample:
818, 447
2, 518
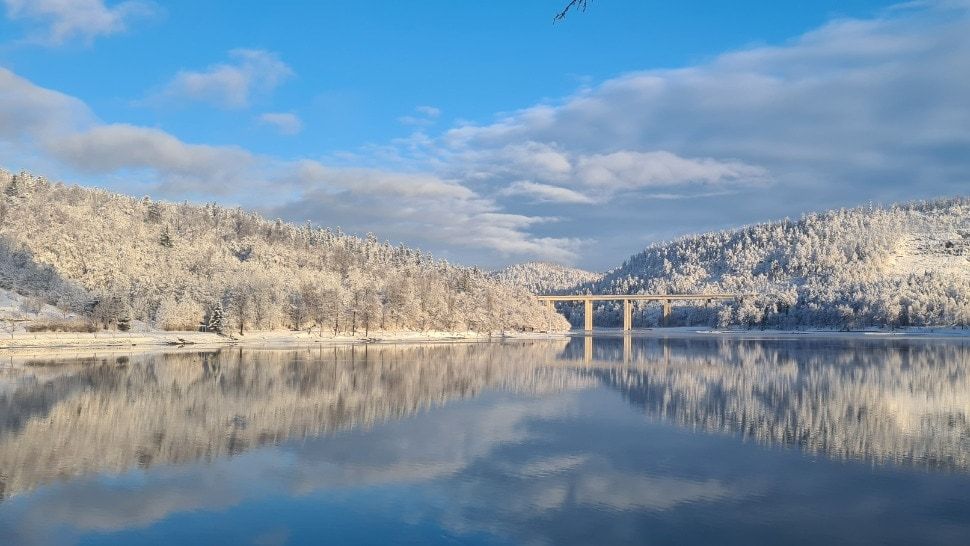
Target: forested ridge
545, 277
115, 260
894, 266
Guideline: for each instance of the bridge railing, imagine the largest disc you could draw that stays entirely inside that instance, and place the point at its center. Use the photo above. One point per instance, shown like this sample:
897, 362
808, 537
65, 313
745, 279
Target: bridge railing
628, 299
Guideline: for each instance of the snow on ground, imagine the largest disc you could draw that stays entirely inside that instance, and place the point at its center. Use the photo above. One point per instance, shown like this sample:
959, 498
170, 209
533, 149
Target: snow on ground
157, 338
946, 252
17, 311
755, 333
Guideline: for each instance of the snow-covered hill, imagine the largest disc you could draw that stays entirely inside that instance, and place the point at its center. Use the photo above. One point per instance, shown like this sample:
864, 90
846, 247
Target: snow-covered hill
119, 260
545, 277
902, 265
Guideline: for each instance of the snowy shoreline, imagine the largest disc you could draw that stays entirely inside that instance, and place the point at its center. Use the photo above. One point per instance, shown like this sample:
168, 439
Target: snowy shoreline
742, 333
284, 338
154, 340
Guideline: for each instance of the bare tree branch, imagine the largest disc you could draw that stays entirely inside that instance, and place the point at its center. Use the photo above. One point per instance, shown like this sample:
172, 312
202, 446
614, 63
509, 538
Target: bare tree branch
573, 4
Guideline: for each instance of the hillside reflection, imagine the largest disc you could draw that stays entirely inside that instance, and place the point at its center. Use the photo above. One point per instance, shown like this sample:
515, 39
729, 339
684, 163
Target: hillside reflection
68, 418
902, 402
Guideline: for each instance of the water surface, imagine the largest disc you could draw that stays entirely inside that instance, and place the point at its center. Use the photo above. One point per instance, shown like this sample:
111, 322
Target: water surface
604, 440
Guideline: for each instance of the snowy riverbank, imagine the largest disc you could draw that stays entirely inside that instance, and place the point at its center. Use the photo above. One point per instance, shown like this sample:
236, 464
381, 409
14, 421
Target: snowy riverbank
744, 333
108, 339
149, 339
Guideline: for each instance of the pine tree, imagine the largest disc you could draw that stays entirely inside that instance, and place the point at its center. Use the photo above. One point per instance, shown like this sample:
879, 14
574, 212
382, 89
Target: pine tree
166, 239
11, 190
216, 319
154, 213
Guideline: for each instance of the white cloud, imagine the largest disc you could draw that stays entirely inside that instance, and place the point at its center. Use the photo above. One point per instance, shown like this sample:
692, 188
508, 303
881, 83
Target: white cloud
285, 122
63, 129
372, 181
424, 115
27, 110
418, 207
250, 72
429, 111
185, 168
62, 20
573, 176
632, 170
545, 192
852, 109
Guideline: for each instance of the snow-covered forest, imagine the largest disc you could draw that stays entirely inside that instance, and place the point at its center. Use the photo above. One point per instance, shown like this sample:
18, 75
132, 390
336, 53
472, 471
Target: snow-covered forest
117, 260
545, 277
111, 261
903, 265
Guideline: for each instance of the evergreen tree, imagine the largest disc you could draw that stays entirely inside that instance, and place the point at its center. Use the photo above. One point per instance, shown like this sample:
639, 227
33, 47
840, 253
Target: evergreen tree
166, 239
12, 190
215, 320
154, 213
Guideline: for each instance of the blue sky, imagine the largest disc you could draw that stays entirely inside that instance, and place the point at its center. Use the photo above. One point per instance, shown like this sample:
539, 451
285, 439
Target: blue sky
485, 133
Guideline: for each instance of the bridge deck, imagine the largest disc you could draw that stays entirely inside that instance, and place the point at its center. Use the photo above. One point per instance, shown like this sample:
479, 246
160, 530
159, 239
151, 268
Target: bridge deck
628, 299
641, 297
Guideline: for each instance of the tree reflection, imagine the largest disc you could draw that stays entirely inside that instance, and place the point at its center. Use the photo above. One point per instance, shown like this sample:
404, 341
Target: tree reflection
902, 402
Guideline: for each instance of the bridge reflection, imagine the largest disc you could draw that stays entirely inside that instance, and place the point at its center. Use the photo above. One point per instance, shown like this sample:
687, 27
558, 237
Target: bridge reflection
625, 355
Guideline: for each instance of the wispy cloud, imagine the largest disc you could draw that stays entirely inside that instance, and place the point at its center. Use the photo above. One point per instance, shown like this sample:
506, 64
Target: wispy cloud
233, 84
544, 192
418, 207
572, 174
185, 168
286, 123
59, 21
423, 115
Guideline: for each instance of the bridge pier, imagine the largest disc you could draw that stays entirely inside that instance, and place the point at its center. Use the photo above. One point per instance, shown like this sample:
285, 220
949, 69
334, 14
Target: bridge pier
665, 300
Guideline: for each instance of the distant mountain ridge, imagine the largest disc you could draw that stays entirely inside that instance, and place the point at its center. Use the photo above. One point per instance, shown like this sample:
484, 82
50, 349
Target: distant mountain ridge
545, 277
900, 265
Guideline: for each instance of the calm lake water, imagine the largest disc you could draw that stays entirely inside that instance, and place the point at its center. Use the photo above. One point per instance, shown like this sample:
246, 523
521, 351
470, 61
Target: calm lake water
599, 440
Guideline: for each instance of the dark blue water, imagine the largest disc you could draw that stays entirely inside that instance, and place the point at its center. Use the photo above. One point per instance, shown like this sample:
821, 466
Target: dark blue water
581, 441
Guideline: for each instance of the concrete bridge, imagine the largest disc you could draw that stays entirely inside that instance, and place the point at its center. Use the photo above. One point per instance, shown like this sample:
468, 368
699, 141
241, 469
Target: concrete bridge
628, 299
